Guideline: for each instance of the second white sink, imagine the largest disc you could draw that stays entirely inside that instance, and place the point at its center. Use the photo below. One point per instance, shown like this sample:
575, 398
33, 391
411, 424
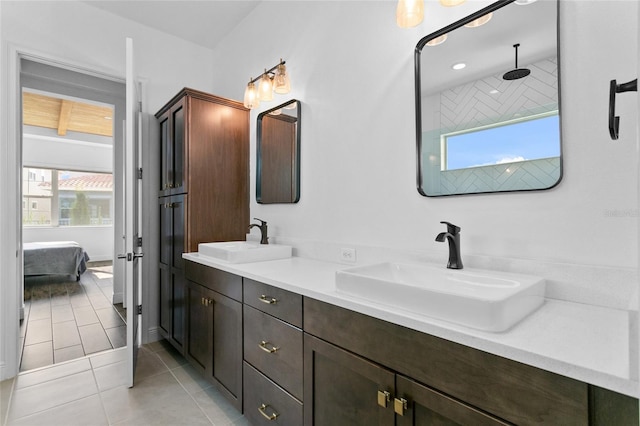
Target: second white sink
486, 300
244, 251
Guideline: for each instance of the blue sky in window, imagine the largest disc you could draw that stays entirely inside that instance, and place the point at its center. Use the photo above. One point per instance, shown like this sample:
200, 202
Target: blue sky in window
524, 140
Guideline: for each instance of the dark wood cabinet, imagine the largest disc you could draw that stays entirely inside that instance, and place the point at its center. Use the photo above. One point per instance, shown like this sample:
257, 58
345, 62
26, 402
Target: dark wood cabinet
203, 190
214, 333
344, 389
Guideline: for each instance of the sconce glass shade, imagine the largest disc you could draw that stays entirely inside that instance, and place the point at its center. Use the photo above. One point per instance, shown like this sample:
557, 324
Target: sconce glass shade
409, 13
480, 21
281, 81
265, 88
451, 3
251, 97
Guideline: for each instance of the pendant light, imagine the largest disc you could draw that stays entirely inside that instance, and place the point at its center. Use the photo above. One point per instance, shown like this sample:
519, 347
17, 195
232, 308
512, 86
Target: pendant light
409, 13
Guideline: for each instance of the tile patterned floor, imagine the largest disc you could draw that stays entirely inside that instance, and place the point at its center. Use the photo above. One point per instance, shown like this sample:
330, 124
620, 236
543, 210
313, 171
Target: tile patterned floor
66, 319
92, 391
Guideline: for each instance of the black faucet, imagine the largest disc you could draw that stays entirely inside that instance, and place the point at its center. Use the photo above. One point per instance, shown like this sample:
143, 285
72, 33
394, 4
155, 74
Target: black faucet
453, 236
263, 230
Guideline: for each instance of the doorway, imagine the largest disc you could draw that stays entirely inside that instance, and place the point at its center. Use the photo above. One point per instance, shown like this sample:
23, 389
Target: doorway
72, 184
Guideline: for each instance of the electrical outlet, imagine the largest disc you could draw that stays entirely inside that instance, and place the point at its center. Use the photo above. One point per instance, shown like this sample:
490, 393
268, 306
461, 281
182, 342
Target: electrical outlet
348, 255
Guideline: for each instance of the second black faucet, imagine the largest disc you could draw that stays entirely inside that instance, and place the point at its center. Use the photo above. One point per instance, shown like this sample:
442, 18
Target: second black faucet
264, 239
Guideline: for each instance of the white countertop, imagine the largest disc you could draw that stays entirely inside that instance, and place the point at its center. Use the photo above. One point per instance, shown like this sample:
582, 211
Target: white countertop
584, 342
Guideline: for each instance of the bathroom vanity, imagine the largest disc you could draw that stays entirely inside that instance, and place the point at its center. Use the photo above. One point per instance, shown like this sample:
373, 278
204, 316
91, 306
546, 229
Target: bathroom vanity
286, 348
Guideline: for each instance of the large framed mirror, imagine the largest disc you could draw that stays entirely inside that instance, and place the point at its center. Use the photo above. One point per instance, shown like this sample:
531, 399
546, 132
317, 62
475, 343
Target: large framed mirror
278, 154
488, 102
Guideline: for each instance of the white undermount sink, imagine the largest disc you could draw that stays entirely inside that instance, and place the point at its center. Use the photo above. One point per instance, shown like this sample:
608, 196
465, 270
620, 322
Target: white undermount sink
244, 251
485, 300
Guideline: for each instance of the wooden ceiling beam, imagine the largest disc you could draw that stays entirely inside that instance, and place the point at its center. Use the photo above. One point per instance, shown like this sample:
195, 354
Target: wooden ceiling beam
65, 117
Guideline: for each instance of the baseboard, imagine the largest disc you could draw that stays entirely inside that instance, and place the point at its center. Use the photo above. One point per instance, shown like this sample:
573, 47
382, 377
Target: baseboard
153, 335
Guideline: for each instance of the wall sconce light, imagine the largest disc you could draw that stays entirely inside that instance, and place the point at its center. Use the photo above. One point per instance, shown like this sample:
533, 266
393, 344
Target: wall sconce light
276, 79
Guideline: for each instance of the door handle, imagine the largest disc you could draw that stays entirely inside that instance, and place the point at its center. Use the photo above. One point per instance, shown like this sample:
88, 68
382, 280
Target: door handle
122, 256
614, 87
138, 255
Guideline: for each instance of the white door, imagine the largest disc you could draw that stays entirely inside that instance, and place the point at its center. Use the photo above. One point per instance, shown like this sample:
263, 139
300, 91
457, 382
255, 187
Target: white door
132, 208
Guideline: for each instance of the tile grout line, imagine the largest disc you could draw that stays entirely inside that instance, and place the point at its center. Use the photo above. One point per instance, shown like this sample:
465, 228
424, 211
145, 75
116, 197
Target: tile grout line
95, 379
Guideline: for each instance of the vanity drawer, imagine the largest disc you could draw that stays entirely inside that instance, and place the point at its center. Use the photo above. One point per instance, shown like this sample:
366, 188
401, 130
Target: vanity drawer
214, 279
275, 348
280, 303
266, 399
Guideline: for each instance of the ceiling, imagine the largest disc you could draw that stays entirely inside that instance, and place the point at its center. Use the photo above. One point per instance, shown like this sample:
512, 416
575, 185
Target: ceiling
66, 115
203, 22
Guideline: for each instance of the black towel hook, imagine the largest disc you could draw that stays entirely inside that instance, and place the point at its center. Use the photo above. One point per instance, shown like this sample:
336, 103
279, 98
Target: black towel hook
614, 87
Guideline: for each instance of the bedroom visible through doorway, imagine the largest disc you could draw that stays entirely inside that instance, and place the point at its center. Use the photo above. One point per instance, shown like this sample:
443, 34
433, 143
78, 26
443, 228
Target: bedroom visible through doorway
71, 213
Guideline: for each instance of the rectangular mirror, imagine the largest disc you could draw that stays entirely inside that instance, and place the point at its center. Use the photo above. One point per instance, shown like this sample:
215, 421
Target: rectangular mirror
278, 154
487, 102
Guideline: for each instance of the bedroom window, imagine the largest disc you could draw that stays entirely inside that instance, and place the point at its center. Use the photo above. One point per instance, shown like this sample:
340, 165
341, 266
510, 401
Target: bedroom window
66, 198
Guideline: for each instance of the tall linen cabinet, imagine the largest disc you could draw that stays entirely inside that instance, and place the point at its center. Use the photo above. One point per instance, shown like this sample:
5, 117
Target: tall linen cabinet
203, 190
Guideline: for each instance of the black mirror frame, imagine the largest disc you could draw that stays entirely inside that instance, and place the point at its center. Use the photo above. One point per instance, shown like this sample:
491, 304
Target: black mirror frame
418, 90
297, 153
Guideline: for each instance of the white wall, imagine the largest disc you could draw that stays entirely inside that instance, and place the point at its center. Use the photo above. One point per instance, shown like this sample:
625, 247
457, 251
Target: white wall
78, 34
352, 68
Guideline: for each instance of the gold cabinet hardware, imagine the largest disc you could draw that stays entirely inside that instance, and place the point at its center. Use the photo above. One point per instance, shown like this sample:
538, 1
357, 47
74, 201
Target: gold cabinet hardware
268, 300
263, 410
206, 302
399, 406
264, 345
383, 398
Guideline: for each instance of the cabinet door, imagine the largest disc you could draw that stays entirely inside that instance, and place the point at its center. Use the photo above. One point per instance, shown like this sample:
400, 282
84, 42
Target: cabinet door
227, 346
199, 326
166, 300
214, 333
166, 231
178, 214
165, 149
178, 137
418, 405
341, 388
178, 311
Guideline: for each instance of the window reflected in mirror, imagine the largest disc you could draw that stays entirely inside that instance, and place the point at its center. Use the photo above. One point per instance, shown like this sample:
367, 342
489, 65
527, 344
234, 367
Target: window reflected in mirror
492, 124
278, 154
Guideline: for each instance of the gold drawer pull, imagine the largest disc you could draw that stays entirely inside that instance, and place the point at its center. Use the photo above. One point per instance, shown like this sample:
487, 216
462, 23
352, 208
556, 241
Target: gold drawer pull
268, 300
262, 410
263, 346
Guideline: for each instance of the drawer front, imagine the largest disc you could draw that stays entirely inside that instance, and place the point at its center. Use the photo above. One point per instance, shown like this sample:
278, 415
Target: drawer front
265, 403
224, 283
275, 348
280, 303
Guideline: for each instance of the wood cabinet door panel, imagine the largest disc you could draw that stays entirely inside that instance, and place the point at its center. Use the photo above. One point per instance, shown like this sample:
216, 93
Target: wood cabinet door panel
427, 407
166, 303
275, 348
341, 388
227, 344
199, 327
177, 158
